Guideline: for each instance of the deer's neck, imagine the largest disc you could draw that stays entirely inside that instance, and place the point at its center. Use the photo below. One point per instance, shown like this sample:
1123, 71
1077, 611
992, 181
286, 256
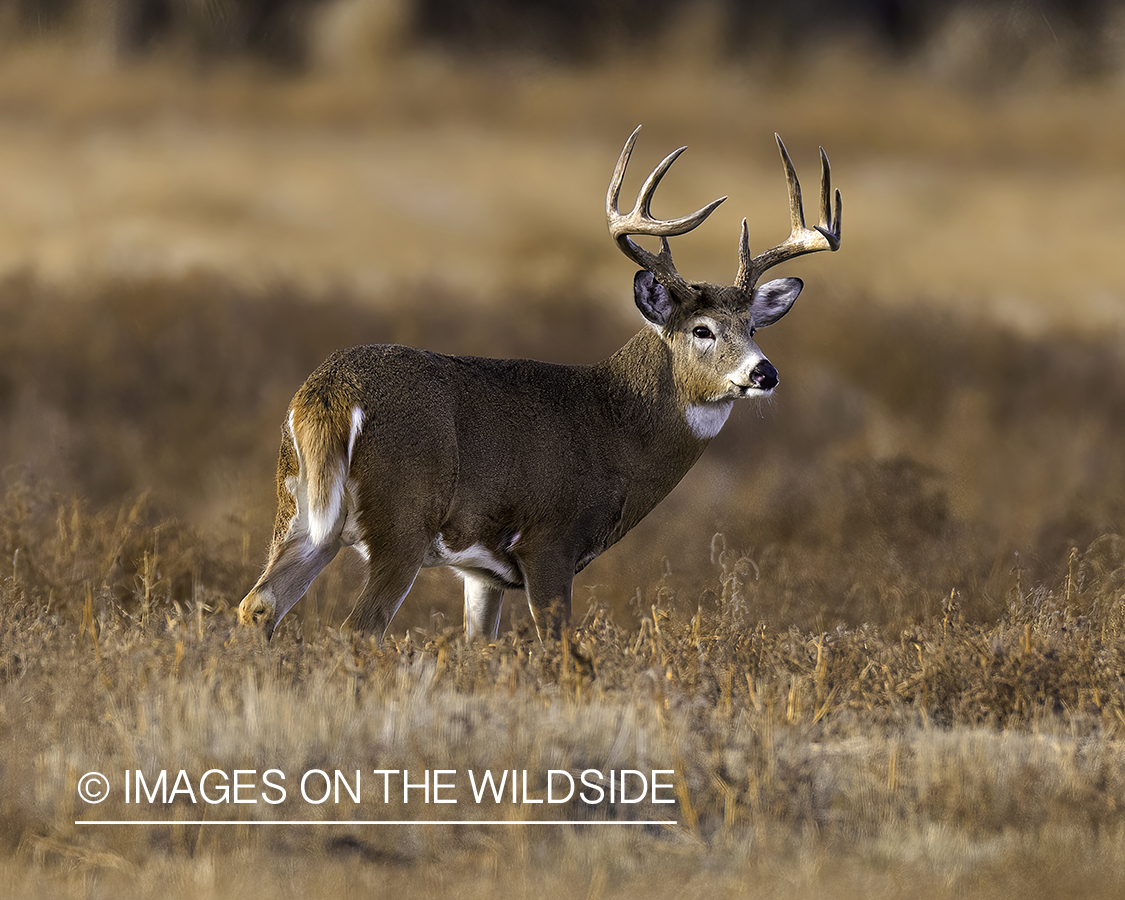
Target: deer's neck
658, 438
649, 402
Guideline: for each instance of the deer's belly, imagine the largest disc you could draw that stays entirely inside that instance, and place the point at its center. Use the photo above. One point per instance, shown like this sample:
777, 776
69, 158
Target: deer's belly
477, 558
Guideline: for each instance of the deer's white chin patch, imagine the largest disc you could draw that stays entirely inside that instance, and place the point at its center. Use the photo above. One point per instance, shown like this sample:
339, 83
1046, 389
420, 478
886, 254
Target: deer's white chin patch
707, 419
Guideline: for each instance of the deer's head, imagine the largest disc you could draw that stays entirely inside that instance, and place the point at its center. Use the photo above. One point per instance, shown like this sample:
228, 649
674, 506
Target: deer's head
710, 327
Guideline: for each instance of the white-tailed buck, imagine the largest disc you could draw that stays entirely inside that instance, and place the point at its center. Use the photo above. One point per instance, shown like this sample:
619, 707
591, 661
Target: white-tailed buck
517, 473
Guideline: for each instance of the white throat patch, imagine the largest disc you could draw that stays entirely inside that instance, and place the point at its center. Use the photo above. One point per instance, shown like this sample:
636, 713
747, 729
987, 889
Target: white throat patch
707, 419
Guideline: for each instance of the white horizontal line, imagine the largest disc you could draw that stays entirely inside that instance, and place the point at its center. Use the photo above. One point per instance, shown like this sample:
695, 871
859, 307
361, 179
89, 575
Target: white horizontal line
369, 822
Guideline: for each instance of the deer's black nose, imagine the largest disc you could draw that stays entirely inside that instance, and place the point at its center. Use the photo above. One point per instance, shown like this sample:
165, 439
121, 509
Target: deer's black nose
763, 376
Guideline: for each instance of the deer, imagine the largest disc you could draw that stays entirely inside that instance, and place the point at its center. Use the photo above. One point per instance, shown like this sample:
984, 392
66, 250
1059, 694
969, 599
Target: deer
517, 473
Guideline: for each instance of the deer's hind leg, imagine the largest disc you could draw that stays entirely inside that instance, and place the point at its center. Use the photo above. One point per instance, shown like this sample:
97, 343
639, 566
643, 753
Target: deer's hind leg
295, 558
393, 545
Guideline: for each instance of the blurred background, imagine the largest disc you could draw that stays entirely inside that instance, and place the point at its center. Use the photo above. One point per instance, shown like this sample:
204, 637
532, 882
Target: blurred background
200, 199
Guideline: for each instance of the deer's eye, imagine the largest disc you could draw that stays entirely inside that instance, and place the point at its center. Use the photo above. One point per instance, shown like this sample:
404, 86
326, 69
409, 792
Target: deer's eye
703, 332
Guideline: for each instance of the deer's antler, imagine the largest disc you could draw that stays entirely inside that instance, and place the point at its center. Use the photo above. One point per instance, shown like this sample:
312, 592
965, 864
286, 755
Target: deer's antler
641, 221
802, 239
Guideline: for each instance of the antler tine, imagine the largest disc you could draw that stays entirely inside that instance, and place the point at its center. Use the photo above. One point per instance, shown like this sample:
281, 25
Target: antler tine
796, 206
802, 239
614, 191
829, 224
745, 278
641, 221
825, 190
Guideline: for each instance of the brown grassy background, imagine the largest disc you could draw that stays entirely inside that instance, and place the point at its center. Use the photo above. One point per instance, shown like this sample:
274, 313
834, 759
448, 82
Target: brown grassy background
877, 630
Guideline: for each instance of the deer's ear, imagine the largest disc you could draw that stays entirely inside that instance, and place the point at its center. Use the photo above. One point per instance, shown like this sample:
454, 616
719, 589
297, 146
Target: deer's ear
651, 298
773, 300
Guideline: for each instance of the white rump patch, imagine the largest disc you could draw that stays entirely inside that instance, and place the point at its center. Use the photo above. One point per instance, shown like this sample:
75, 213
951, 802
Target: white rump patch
357, 427
296, 488
293, 438
707, 419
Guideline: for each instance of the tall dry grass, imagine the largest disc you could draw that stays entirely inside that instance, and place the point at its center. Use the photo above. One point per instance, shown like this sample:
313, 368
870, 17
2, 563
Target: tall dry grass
950, 752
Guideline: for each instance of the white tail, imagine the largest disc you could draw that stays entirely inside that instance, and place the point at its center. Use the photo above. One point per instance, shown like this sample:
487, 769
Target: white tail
518, 473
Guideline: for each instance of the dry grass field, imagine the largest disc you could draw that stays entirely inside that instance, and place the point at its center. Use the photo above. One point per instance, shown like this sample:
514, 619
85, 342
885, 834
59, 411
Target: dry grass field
877, 634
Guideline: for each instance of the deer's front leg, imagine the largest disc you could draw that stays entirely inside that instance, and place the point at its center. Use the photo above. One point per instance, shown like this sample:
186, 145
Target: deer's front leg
548, 584
484, 599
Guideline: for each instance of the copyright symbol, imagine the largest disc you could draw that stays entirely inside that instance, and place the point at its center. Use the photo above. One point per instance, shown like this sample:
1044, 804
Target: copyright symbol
93, 787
